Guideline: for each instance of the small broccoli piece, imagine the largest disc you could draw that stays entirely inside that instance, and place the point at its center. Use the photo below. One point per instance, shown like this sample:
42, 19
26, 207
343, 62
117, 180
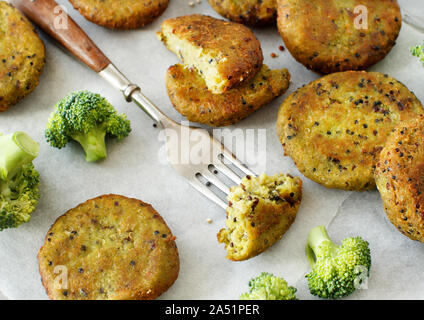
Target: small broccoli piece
418, 51
269, 287
86, 118
19, 180
337, 271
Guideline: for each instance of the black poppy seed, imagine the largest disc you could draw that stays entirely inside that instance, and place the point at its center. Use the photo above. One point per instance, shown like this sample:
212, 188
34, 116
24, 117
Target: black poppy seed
164, 235
132, 262
252, 224
80, 270
156, 232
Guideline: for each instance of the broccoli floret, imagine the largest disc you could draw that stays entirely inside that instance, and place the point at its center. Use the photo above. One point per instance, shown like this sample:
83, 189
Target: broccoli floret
269, 287
19, 180
337, 271
86, 118
418, 51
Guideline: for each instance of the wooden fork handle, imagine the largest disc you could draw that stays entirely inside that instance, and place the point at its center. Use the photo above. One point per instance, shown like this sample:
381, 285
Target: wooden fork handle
54, 20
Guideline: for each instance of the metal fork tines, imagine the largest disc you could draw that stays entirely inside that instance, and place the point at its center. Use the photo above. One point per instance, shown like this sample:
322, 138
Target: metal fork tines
215, 162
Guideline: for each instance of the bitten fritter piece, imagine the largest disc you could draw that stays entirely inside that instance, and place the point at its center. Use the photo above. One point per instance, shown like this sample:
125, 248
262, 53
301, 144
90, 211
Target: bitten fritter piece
251, 12
190, 96
329, 36
335, 127
260, 211
110, 248
22, 56
400, 178
224, 53
121, 14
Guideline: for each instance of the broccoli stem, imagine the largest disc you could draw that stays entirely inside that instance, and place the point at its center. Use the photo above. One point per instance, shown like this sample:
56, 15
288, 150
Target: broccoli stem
93, 143
317, 240
17, 149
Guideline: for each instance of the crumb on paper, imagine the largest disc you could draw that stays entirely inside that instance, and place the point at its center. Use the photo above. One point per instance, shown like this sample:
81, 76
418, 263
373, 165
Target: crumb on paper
274, 55
281, 48
191, 4
209, 220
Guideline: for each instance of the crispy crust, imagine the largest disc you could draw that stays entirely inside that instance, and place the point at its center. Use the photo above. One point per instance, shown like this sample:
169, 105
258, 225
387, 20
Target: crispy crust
321, 34
234, 42
114, 248
123, 14
335, 127
400, 178
251, 12
22, 56
190, 96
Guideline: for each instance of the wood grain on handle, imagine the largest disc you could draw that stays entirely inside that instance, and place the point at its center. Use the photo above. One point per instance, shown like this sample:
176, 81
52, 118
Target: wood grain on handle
47, 14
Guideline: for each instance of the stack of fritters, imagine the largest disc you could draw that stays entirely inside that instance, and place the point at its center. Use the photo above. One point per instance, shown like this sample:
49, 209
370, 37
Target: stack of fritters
222, 79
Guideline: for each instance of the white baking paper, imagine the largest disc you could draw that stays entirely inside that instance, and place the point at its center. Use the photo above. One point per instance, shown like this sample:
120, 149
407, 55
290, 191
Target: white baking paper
134, 169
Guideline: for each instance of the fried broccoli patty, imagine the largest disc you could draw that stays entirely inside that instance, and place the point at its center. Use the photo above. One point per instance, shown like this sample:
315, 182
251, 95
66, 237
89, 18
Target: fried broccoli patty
225, 54
252, 12
112, 248
260, 211
122, 14
400, 178
22, 56
335, 127
190, 96
329, 36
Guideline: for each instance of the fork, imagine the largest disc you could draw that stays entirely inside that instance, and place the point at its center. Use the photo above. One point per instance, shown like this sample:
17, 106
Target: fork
214, 159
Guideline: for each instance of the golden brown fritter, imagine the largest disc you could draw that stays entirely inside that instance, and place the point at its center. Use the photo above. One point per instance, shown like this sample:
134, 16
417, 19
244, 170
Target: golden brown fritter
252, 12
121, 14
190, 96
335, 127
113, 248
260, 211
322, 35
224, 53
22, 56
400, 178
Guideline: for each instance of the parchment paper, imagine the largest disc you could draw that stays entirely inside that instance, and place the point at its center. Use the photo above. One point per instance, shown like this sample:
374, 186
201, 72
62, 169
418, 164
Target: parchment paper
133, 169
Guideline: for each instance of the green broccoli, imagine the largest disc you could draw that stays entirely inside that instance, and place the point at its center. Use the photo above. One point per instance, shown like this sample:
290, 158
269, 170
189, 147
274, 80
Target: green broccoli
269, 287
337, 271
86, 118
418, 51
19, 180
